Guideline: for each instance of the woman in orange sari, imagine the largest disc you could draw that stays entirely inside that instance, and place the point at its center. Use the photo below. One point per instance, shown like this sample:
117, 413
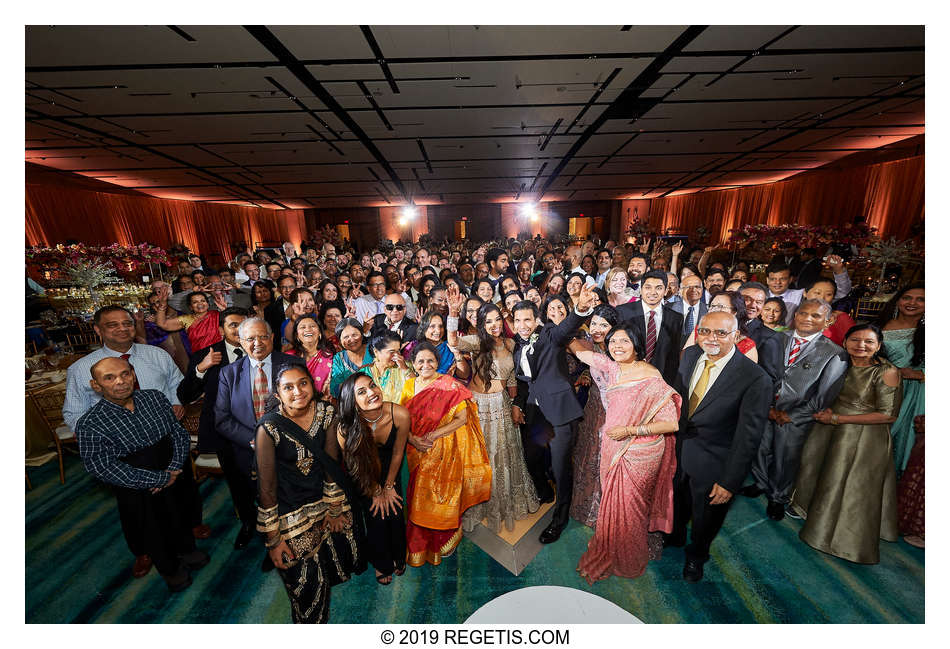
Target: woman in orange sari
448, 464
201, 326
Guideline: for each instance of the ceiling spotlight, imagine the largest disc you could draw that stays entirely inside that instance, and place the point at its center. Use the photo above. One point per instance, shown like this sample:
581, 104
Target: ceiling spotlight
530, 211
409, 212
403, 221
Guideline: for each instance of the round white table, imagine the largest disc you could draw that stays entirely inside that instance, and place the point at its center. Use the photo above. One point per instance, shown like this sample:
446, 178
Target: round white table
551, 605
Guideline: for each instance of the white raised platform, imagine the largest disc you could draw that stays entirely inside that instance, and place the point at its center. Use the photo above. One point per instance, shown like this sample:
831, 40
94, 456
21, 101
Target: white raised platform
551, 605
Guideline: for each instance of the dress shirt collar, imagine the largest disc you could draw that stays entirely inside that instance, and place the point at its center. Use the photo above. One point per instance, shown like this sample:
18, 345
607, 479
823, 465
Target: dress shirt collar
108, 351
255, 363
721, 363
810, 338
232, 354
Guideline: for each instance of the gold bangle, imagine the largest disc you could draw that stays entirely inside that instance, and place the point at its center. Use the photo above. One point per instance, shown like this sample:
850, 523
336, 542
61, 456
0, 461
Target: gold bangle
834, 419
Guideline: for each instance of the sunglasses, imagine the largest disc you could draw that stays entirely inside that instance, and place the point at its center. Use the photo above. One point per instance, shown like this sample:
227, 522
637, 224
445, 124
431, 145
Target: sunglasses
395, 307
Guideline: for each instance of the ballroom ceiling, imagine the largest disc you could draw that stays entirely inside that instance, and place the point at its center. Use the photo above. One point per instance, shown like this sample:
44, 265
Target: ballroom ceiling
339, 116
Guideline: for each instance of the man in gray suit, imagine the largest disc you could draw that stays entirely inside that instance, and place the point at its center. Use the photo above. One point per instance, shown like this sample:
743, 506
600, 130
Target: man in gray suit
814, 372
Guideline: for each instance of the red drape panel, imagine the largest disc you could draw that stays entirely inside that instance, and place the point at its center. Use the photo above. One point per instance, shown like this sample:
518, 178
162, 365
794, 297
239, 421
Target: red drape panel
54, 214
889, 194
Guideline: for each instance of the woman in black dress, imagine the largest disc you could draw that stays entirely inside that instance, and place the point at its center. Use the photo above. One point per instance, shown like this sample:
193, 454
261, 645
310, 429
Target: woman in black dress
373, 434
313, 529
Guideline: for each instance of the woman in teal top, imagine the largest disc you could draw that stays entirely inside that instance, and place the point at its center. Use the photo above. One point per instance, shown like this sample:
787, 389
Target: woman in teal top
903, 325
355, 354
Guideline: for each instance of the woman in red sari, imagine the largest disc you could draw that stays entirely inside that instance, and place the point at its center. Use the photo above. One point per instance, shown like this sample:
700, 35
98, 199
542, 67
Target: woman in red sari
448, 465
201, 325
637, 458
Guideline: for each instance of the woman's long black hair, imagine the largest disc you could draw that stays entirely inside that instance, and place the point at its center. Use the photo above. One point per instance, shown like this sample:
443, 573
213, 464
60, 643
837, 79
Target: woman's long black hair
482, 363
323, 345
889, 312
359, 448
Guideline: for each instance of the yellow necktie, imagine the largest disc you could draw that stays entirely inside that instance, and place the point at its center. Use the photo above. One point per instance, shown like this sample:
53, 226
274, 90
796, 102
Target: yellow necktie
700, 390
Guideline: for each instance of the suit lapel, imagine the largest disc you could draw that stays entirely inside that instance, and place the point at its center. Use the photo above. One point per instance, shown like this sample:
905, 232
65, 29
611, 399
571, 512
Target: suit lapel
243, 387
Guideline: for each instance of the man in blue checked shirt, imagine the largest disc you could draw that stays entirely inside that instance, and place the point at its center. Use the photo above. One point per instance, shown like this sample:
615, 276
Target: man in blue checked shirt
131, 440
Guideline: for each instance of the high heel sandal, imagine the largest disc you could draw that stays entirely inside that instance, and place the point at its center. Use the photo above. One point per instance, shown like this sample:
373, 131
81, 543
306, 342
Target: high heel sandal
380, 578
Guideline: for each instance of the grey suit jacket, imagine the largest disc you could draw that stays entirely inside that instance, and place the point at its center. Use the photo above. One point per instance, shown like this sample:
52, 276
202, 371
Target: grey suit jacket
813, 382
680, 306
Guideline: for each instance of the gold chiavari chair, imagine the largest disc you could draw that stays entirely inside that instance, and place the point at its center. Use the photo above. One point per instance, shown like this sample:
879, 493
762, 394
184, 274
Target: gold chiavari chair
868, 310
82, 342
49, 405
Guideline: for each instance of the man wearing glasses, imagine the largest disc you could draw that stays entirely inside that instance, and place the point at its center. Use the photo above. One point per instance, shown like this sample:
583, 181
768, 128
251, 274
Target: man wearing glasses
394, 318
244, 390
726, 401
371, 305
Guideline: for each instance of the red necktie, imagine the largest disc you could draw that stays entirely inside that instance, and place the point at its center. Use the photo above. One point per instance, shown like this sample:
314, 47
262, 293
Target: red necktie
125, 357
651, 337
260, 393
796, 349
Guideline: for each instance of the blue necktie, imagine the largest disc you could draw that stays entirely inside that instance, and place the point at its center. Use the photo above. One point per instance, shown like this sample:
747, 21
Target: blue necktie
688, 325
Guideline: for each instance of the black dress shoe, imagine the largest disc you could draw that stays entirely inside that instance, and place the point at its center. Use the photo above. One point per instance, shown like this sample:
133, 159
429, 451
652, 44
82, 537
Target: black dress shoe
546, 496
267, 565
195, 560
775, 511
245, 535
692, 570
751, 491
552, 533
178, 581
558, 522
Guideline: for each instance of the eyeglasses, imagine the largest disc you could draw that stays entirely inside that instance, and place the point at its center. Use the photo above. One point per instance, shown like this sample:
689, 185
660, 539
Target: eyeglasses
395, 307
717, 333
263, 338
375, 284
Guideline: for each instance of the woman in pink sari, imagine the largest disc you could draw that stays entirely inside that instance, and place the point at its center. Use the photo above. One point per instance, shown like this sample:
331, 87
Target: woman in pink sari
201, 326
637, 458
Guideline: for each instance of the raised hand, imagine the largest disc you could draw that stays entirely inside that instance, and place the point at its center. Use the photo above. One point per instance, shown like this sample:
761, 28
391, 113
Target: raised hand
210, 360
455, 299
677, 248
586, 297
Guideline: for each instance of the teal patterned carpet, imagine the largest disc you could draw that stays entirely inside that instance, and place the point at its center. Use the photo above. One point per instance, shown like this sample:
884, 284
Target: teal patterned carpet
78, 569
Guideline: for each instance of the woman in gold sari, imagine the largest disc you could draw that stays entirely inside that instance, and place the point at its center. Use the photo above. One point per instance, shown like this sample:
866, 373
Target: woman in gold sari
448, 465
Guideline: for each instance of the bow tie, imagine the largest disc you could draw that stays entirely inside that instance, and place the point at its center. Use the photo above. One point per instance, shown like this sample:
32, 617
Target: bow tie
635, 286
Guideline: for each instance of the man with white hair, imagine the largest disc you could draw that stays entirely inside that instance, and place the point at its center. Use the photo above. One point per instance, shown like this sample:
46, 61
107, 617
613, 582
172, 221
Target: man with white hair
725, 404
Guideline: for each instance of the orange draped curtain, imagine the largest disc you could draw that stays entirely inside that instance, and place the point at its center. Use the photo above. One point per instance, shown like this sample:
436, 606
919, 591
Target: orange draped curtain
889, 194
54, 214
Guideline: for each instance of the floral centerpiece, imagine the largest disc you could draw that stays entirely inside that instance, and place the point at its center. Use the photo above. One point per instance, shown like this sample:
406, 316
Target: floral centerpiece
885, 253
91, 266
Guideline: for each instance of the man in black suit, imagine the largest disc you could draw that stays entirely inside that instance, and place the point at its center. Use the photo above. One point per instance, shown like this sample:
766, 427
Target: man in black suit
393, 318
545, 392
276, 312
810, 269
245, 388
726, 401
768, 342
201, 379
661, 326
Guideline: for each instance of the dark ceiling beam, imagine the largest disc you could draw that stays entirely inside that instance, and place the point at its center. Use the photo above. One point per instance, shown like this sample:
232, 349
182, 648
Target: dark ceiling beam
628, 100
753, 54
266, 38
377, 108
474, 59
378, 53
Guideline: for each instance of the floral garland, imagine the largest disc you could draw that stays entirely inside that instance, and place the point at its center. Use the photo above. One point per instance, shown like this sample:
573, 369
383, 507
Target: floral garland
63, 257
804, 236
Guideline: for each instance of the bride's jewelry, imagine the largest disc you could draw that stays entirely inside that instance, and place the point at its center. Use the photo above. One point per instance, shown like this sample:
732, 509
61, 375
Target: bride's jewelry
372, 422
